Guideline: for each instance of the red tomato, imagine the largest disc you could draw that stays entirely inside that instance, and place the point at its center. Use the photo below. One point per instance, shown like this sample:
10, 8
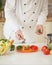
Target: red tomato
46, 51
44, 48
34, 48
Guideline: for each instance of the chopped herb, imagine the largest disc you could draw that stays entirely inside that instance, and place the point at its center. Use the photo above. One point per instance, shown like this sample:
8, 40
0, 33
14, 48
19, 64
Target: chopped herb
12, 48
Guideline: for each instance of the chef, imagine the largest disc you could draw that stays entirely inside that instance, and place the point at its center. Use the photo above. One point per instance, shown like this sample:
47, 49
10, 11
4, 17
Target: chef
25, 19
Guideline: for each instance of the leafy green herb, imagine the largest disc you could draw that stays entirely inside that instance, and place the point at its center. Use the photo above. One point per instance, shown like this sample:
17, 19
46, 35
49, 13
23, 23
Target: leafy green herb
12, 48
39, 31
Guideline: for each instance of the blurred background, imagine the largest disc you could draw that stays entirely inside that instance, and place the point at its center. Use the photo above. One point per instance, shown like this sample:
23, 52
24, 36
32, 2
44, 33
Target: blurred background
48, 25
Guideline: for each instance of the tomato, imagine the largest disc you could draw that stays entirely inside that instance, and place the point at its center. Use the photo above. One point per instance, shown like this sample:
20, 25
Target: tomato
46, 51
44, 48
34, 48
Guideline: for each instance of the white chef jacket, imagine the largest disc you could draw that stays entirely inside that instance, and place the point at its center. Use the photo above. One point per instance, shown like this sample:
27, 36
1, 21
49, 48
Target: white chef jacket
24, 15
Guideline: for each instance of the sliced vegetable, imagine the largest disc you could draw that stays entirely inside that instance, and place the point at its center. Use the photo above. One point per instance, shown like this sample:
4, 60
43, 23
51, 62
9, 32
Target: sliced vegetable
19, 47
34, 48
27, 47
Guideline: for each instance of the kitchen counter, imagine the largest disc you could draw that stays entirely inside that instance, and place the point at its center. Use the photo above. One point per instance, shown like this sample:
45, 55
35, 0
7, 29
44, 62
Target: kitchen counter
36, 58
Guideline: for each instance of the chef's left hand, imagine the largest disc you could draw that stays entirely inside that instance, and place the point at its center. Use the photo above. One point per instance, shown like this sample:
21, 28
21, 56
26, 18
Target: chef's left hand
39, 29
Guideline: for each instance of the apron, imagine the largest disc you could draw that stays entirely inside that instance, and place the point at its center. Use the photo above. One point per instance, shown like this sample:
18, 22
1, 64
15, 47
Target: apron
27, 12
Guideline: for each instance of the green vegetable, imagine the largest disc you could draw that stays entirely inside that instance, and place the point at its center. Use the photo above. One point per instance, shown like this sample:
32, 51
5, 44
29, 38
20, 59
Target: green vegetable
12, 48
19, 47
50, 46
39, 31
0, 4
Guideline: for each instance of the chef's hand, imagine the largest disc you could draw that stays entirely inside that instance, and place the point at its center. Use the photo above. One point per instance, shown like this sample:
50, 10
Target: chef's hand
19, 35
39, 29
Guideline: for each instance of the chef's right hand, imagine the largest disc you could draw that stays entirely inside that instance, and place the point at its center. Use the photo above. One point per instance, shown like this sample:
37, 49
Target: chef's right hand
19, 35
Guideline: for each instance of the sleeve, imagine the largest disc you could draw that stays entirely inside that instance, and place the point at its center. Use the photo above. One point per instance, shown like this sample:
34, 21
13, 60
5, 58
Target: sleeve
10, 13
44, 12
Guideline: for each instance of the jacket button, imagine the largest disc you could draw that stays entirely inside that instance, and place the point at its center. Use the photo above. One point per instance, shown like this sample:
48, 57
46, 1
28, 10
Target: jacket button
24, 3
33, 12
22, 27
24, 12
24, 20
35, 3
32, 20
29, 26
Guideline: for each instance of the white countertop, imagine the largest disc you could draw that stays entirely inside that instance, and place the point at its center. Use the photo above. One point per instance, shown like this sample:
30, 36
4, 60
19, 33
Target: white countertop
36, 58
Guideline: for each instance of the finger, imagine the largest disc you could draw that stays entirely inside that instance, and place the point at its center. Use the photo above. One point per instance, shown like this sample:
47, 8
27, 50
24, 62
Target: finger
17, 36
19, 32
20, 37
37, 33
